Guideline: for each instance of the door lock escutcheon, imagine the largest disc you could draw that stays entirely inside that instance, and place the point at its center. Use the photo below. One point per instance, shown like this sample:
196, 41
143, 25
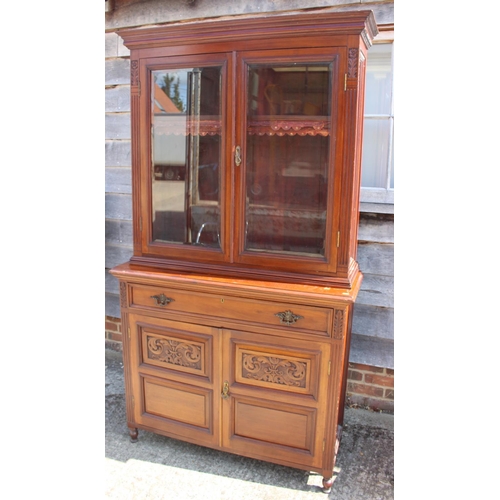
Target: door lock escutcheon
237, 156
225, 390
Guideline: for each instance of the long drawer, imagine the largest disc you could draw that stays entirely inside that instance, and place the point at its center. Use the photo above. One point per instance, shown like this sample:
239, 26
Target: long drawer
278, 315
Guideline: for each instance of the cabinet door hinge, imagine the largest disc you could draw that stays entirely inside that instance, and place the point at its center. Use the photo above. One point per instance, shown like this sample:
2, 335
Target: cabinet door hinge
338, 239
140, 223
345, 83
324, 444
128, 331
139, 88
329, 367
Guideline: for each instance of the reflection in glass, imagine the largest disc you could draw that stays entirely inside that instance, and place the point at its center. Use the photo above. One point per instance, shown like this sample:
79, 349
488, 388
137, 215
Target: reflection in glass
288, 138
186, 128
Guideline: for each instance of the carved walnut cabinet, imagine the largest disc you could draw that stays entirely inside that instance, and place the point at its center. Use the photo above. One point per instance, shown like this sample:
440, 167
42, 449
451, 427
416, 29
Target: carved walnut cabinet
237, 303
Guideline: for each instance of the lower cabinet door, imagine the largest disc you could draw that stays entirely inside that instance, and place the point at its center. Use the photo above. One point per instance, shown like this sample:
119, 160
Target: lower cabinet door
275, 398
174, 378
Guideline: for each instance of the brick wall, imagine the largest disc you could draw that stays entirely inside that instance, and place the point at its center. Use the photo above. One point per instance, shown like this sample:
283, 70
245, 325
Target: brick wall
113, 332
367, 386
370, 387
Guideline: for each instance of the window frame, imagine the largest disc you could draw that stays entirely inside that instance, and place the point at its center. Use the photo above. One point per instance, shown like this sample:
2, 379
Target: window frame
383, 198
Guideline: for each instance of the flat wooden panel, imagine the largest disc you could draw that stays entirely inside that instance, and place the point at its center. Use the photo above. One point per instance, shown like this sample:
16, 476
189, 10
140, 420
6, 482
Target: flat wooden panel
182, 403
309, 319
286, 427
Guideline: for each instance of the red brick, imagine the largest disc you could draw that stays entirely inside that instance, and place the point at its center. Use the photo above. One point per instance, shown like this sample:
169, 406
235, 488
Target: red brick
389, 394
354, 375
372, 403
115, 336
111, 326
365, 389
366, 368
379, 380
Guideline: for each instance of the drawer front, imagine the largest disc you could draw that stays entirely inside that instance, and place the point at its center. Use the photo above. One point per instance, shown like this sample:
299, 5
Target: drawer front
278, 315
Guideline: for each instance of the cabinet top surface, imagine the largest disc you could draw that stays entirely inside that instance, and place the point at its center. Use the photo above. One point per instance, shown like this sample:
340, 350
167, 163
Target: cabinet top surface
268, 289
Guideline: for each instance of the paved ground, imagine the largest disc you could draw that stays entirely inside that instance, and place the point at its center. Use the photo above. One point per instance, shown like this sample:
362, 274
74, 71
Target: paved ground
160, 468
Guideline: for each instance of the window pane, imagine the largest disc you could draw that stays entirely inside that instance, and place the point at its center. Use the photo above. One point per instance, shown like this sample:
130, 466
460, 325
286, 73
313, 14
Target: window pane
378, 95
288, 140
375, 153
377, 168
186, 152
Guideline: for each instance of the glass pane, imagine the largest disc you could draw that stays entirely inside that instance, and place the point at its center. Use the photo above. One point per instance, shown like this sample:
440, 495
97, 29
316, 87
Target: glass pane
186, 153
378, 94
376, 140
288, 128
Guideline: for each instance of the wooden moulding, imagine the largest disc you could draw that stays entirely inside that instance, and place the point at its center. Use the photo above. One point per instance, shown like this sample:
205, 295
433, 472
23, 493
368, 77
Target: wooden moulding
240, 28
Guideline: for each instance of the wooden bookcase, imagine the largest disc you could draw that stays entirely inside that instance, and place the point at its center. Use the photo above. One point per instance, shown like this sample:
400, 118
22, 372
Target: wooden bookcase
237, 303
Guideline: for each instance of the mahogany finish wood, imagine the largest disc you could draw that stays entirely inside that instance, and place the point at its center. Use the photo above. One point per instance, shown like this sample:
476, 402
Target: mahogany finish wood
241, 343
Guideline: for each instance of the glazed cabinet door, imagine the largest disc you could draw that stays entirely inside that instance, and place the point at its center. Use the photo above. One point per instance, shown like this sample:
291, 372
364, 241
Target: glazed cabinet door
174, 378
185, 116
289, 113
275, 398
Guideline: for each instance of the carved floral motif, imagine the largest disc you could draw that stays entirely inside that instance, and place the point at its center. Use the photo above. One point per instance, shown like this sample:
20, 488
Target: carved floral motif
338, 324
174, 352
352, 63
290, 126
275, 370
123, 295
134, 73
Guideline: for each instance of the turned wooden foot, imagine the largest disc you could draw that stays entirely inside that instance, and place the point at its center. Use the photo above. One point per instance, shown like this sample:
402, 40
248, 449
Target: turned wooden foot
327, 484
133, 434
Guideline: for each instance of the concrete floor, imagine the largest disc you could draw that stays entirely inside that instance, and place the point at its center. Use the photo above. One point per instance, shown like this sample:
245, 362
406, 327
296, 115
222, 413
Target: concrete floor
160, 468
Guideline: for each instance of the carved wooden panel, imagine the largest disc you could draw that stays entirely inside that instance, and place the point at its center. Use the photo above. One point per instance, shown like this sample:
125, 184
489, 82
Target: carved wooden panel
123, 295
170, 351
285, 371
274, 369
185, 353
338, 324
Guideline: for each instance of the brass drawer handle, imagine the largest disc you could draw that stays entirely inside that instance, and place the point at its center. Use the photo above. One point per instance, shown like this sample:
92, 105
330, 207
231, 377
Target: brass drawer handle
288, 318
225, 390
162, 299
